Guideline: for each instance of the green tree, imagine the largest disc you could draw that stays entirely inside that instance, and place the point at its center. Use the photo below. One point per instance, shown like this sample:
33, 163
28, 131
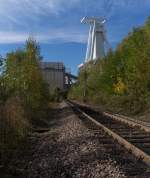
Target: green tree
24, 78
121, 79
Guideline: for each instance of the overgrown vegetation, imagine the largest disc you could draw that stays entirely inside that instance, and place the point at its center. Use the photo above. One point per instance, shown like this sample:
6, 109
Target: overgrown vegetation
120, 81
23, 95
58, 95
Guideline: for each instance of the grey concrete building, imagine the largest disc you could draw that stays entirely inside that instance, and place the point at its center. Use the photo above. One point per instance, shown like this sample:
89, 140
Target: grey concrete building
54, 74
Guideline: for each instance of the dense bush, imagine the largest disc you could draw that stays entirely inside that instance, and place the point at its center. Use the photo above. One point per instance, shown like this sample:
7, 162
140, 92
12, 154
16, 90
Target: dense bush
57, 95
120, 81
14, 124
23, 94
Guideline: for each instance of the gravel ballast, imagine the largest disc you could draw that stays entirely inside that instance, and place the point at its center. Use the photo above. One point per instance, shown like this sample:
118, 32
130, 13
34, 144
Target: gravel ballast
68, 149
72, 151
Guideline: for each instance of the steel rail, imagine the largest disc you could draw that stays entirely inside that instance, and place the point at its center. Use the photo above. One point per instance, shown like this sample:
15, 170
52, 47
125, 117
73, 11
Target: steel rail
124, 119
129, 146
127, 121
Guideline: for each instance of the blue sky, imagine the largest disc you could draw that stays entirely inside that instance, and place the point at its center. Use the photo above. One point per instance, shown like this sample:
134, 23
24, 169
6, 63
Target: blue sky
56, 25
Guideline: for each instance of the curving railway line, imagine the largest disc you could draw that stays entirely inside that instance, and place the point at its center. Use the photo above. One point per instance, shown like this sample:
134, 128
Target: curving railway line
133, 137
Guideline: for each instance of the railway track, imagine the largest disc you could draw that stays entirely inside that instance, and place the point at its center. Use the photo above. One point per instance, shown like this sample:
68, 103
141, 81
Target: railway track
133, 137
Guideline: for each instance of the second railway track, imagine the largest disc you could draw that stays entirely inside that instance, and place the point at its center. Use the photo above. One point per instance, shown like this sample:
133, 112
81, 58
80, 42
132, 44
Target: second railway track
135, 138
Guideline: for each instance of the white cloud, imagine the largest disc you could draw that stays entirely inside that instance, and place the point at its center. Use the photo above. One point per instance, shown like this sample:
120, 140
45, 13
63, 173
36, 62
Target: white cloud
27, 7
47, 37
20, 13
20, 17
10, 37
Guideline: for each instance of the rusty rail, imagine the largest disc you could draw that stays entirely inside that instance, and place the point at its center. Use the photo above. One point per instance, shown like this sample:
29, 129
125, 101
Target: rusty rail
129, 146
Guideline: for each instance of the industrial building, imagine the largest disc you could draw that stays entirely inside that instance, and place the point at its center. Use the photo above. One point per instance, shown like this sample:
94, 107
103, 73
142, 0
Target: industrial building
56, 75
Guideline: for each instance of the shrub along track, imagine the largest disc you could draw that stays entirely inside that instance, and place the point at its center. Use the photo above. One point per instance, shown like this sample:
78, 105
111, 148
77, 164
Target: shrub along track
133, 136
72, 147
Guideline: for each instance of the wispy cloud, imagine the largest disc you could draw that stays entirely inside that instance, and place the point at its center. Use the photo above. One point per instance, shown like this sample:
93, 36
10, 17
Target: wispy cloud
48, 37
12, 37
34, 7
22, 12
57, 20
19, 18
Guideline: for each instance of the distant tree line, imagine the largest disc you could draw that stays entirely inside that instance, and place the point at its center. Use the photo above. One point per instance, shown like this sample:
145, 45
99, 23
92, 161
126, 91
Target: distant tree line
121, 80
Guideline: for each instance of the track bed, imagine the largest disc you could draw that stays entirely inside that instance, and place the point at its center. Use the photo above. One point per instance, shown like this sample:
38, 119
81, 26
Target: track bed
73, 147
133, 135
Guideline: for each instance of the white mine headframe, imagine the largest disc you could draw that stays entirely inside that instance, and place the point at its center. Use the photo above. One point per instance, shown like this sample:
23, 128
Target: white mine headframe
97, 38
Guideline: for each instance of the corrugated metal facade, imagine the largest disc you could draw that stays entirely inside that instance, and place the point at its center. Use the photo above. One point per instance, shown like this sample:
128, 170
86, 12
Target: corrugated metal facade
54, 74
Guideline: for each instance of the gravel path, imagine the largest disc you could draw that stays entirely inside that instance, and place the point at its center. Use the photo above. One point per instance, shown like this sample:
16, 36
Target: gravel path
68, 150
